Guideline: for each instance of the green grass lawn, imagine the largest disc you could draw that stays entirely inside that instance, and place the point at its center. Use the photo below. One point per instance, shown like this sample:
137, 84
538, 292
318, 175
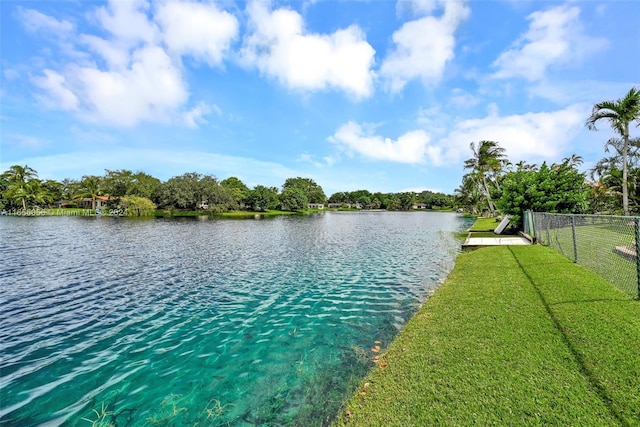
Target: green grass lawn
230, 214
596, 246
516, 336
483, 227
252, 214
485, 224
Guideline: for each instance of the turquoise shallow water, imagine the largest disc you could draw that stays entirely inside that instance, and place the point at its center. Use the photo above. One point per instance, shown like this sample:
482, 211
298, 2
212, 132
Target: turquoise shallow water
205, 322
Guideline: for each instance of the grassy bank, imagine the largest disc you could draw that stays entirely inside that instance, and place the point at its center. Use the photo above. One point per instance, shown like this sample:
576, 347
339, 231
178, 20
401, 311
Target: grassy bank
485, 224
516, 336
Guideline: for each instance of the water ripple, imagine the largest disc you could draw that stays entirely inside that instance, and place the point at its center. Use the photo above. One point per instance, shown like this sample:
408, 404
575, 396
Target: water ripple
218, 322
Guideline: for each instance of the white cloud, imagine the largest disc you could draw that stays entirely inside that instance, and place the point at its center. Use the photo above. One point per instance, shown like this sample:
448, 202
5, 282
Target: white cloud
115, 55
565, 92
408, 148
416, 7
35, 21
10, 74
58, 93
279, 46
151, 89
529, 137
434, 120
423, 46
83, 136
128, 22
196, 115
462, 99
197, 29
135, 73
555, 36
327, 161
141, 48
28, 142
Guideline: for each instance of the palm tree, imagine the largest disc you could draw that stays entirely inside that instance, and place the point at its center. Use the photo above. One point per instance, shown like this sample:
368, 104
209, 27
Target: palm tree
574, 160
633, 148
17, 173
603, 167
603, 197
610, 169
488, 157
90, 187
619, 114
469, 194
17, 178
524, 166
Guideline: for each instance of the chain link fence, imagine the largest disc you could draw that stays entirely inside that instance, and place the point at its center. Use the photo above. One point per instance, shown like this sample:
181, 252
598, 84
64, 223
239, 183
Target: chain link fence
606, 244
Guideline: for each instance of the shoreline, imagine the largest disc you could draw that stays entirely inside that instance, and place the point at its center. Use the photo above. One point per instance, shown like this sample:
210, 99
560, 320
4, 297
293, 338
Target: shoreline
515, 336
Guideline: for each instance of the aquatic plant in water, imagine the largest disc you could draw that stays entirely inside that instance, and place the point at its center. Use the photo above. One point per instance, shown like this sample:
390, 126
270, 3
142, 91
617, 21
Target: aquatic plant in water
104, 417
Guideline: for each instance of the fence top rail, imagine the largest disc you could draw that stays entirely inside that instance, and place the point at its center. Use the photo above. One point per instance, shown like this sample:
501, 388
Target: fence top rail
590, 215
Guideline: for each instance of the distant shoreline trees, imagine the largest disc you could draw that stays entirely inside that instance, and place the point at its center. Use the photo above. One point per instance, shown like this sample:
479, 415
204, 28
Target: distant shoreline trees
21, 189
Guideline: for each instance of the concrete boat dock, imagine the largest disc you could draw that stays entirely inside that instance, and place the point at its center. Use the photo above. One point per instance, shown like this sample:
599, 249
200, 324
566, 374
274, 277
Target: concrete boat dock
496, 238
479, 242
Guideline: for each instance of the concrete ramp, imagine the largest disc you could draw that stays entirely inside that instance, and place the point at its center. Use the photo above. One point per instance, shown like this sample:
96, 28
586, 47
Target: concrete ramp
503, 224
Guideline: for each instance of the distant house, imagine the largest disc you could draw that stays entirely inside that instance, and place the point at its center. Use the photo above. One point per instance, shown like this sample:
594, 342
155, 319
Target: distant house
203, 205
419, 206
315, 205
344, 206
101, 202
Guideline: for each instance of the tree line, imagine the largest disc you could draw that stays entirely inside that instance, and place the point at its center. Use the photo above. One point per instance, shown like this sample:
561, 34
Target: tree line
493, 183
20, 188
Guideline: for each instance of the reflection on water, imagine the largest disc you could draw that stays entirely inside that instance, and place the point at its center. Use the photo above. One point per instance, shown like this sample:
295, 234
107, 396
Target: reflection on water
217, 322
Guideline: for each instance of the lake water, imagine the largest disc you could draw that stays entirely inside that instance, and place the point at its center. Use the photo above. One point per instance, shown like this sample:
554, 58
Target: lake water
206, 322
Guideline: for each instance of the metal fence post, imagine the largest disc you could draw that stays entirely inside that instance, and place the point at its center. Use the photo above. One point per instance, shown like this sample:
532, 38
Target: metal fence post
529, 227
532, 232
548, 227
575, 241
636, 223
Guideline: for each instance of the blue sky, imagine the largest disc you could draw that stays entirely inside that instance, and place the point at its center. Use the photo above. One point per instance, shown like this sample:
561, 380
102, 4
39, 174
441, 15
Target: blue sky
377, 95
